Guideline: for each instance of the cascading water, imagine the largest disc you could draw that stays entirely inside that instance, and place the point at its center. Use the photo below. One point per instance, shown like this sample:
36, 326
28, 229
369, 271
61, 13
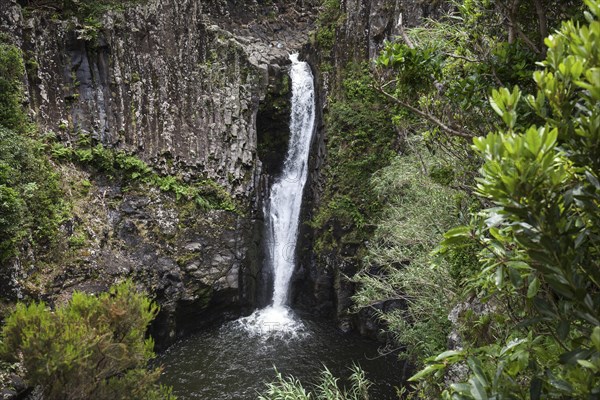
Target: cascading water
283, 210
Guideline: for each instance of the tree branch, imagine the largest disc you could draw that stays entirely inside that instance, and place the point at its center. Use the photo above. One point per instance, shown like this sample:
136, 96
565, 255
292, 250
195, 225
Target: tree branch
543, 23
400, 27
528, 41
452, 55
513, 25
450, 130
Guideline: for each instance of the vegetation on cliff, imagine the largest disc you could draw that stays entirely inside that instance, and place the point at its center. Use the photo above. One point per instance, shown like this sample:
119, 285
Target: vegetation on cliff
361, 140
529, 249
467, 206
130, 169
48, 241
538, 233
32, 205
87, 11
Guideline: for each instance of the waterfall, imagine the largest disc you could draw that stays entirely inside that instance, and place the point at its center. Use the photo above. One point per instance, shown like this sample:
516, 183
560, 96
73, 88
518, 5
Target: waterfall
283, 209
286, 193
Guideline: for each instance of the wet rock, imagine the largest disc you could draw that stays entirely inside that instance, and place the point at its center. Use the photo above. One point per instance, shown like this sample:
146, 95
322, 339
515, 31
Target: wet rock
194, 246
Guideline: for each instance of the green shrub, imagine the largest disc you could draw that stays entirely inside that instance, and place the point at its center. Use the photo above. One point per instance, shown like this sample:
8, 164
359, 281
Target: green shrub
94, 347
327, 22
12, 115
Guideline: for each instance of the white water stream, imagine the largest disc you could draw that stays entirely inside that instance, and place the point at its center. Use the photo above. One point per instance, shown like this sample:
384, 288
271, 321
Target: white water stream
283, 210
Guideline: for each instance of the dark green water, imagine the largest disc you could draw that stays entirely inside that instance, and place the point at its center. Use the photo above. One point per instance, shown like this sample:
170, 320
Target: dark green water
228, 363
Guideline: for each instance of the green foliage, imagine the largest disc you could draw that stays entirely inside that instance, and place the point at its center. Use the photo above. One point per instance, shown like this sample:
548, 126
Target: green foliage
84, 16
398, 264
540, 235
361, 140
12, 115
463, 262
92, 347
206, 193
411, 63
86, 10
328, 388
446, 69
32, 206
77, 240
327, 22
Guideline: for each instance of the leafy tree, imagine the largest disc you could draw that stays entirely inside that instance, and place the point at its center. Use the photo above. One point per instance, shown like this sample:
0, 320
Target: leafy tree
443, 71
540, 237
94, 347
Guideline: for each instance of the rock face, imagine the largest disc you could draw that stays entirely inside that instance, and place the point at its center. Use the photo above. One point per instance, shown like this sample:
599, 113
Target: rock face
190, 260
183, 84
370, 22
164, 80
178, 83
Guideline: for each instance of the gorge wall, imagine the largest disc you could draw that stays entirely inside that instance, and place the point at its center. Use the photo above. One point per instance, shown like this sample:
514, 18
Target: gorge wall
178, 84
183, 85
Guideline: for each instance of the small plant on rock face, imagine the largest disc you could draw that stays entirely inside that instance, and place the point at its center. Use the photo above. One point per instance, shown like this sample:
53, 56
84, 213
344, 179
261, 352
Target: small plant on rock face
94, 347
89, 31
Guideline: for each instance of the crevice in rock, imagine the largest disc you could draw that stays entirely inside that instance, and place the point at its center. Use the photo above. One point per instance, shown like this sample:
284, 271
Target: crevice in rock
272, 121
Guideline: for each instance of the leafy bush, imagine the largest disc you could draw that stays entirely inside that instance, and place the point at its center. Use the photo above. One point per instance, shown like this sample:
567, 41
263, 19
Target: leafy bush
327, 23
94, 347
32, 206
11, 73
361, 140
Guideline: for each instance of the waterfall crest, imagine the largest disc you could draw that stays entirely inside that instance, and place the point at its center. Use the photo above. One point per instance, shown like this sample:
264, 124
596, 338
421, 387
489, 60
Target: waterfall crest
283, 209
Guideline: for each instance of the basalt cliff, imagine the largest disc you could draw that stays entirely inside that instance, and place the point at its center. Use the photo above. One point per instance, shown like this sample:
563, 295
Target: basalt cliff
197, 90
